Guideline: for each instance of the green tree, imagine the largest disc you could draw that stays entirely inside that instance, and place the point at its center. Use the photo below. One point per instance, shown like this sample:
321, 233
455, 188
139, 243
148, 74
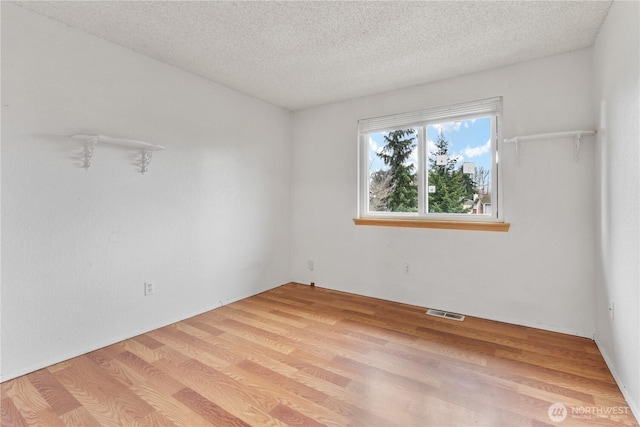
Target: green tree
398, 147
453, 187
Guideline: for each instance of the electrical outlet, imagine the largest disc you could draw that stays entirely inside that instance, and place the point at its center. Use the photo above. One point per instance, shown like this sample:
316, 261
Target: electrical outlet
407, 268
149, 288
311, 265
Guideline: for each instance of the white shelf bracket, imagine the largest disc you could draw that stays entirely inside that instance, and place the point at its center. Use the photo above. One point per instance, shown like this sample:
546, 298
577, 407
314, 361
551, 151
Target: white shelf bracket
89, 145
89, 142
145, 159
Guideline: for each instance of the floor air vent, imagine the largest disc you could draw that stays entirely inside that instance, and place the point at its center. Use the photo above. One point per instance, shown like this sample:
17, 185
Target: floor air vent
445, 315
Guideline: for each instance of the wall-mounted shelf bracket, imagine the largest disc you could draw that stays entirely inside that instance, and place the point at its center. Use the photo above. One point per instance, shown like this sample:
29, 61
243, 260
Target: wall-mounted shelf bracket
89, 142
145, 159
576, 135
89, 145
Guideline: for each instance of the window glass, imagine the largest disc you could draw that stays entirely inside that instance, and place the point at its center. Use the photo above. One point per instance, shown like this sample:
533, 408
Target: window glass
439, 164
459, 165
393, 171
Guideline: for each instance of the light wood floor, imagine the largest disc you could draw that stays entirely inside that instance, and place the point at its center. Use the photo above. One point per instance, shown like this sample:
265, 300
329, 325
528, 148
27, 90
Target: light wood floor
303, 356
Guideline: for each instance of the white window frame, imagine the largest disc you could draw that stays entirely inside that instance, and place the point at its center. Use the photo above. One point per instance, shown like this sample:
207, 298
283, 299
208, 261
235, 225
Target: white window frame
490, 107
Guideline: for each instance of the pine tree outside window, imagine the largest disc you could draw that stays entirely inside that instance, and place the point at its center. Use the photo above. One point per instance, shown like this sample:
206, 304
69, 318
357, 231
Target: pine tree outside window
439, 164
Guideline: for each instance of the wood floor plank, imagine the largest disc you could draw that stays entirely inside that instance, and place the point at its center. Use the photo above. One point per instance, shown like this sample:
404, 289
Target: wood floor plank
189, 348
319, 372
207, 409
266, 312
203, 326
589, 369
388, 334
147, 341
158, 378
259, 336
55, 394
44, 418
168, 406
524, 385
29, 403
143, 352
288, 393
251, 319
24, 395
9, 414
307, 356
431, 353
284, 382
79, 417
402, 368
380, 398
154, 419
410, 383
303, 367
294, 418
109, 401
359, 415
226, 392
303, 312
121, 373
553, 376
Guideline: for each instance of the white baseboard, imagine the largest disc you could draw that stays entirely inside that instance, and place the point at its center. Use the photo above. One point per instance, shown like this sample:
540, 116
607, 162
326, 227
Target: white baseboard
634, 408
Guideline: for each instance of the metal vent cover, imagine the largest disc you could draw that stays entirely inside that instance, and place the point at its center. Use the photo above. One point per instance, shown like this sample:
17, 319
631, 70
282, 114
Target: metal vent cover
445, 315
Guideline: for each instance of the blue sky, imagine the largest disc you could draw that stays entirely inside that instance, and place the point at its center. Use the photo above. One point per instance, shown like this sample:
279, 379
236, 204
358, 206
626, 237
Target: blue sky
469, 141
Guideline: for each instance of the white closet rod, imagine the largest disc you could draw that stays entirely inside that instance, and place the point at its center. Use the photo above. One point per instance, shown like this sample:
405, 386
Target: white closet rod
569, 134
575, 134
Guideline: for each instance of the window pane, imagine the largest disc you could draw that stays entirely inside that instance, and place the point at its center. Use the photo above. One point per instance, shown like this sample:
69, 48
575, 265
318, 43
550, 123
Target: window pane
459, 161
393, 167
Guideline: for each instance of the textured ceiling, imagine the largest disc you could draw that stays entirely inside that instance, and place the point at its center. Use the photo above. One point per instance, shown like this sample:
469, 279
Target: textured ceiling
300, 54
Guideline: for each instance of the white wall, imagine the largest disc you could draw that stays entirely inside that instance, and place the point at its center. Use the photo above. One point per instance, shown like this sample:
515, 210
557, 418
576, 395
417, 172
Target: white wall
618, 220
539, 274
209, 222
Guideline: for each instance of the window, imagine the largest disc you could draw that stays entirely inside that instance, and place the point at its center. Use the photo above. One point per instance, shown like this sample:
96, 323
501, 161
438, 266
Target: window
439, 164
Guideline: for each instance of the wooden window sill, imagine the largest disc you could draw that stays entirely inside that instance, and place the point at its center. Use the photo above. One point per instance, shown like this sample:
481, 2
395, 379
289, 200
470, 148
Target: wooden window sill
420, 223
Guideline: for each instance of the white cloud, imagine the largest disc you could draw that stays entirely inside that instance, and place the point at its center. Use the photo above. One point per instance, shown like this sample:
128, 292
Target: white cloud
413, 158
447, 127
453, 126
472, 152
373, 146
431, 146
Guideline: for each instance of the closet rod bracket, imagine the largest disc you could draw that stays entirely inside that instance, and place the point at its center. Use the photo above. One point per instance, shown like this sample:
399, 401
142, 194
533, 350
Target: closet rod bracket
576, 135
576, 141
